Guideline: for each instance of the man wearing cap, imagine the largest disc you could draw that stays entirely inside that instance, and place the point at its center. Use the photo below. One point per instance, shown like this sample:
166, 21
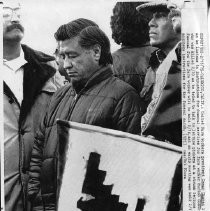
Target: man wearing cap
163, 119
162, 86
29, 82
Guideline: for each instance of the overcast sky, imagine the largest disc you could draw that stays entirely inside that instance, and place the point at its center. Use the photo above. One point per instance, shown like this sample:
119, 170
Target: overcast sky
41, 19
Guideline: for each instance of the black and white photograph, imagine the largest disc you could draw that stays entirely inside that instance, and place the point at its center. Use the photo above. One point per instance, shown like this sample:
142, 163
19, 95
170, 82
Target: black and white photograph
105, 105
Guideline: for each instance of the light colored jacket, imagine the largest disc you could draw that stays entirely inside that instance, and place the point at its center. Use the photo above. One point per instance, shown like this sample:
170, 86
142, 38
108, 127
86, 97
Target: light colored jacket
21, 122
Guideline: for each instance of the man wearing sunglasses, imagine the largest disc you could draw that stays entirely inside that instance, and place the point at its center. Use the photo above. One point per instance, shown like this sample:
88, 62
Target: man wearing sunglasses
29, 82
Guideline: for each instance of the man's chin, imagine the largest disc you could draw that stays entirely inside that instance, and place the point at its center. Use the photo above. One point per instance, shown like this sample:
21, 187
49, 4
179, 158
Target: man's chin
74, 82
153, 42
14, 37
77, 84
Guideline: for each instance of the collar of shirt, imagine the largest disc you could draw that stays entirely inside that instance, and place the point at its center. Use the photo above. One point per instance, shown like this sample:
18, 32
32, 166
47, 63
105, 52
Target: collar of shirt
17, 63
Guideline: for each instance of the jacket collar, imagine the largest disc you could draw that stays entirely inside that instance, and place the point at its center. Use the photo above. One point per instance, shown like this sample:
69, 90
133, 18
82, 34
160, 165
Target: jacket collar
36, 73
100, 75
37, 60
156, 58
32, 56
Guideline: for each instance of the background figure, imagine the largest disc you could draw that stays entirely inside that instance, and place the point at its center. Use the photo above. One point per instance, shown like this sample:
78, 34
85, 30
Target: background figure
94, 97
29, 82
175, 16
130, 30
59, 62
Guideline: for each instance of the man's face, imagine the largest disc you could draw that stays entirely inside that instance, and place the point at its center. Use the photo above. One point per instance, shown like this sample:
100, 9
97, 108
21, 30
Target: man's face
79, 63
12, 28
59, 60
161, 31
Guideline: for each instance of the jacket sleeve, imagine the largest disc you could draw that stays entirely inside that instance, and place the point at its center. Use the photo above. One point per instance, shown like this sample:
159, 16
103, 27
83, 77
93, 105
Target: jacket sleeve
127, 114
36, 162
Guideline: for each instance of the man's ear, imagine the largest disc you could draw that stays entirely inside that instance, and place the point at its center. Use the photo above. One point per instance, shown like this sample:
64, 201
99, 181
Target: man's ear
97, 52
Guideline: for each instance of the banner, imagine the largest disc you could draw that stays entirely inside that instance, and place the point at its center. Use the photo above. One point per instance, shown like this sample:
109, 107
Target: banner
112, 170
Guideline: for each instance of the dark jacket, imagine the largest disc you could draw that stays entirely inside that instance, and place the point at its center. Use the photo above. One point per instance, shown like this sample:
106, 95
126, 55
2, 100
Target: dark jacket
21, 122
130, 64
105, 101
166, 121
156, 58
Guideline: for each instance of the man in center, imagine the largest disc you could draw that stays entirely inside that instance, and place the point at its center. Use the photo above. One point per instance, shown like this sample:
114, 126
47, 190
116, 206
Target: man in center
95, 97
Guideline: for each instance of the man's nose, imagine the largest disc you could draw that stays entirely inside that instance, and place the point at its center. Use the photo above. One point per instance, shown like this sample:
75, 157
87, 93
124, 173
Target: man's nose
15, 17
67, 63
152, 23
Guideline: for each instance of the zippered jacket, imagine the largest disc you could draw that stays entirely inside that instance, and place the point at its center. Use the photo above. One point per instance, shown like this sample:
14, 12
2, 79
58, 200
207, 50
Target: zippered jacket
104, 101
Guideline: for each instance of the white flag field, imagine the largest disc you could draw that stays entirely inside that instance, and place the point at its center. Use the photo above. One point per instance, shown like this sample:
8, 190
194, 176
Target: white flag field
112, 170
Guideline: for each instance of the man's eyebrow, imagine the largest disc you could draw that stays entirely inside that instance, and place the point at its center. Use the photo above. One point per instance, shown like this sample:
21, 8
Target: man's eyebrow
68, 52
11, 8
160, 13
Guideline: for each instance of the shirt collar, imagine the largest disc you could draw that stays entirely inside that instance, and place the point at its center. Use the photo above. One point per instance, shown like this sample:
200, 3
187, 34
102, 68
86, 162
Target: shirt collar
17, 63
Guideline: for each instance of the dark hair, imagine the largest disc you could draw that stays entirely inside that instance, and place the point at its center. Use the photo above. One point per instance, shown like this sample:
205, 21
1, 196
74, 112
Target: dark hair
89, 35
128, 26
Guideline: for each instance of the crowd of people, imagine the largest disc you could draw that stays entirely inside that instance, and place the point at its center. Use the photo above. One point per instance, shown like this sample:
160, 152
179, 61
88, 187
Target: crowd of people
136, 89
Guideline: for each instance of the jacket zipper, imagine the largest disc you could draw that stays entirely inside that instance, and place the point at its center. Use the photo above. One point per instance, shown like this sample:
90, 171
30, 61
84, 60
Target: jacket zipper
76, 97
